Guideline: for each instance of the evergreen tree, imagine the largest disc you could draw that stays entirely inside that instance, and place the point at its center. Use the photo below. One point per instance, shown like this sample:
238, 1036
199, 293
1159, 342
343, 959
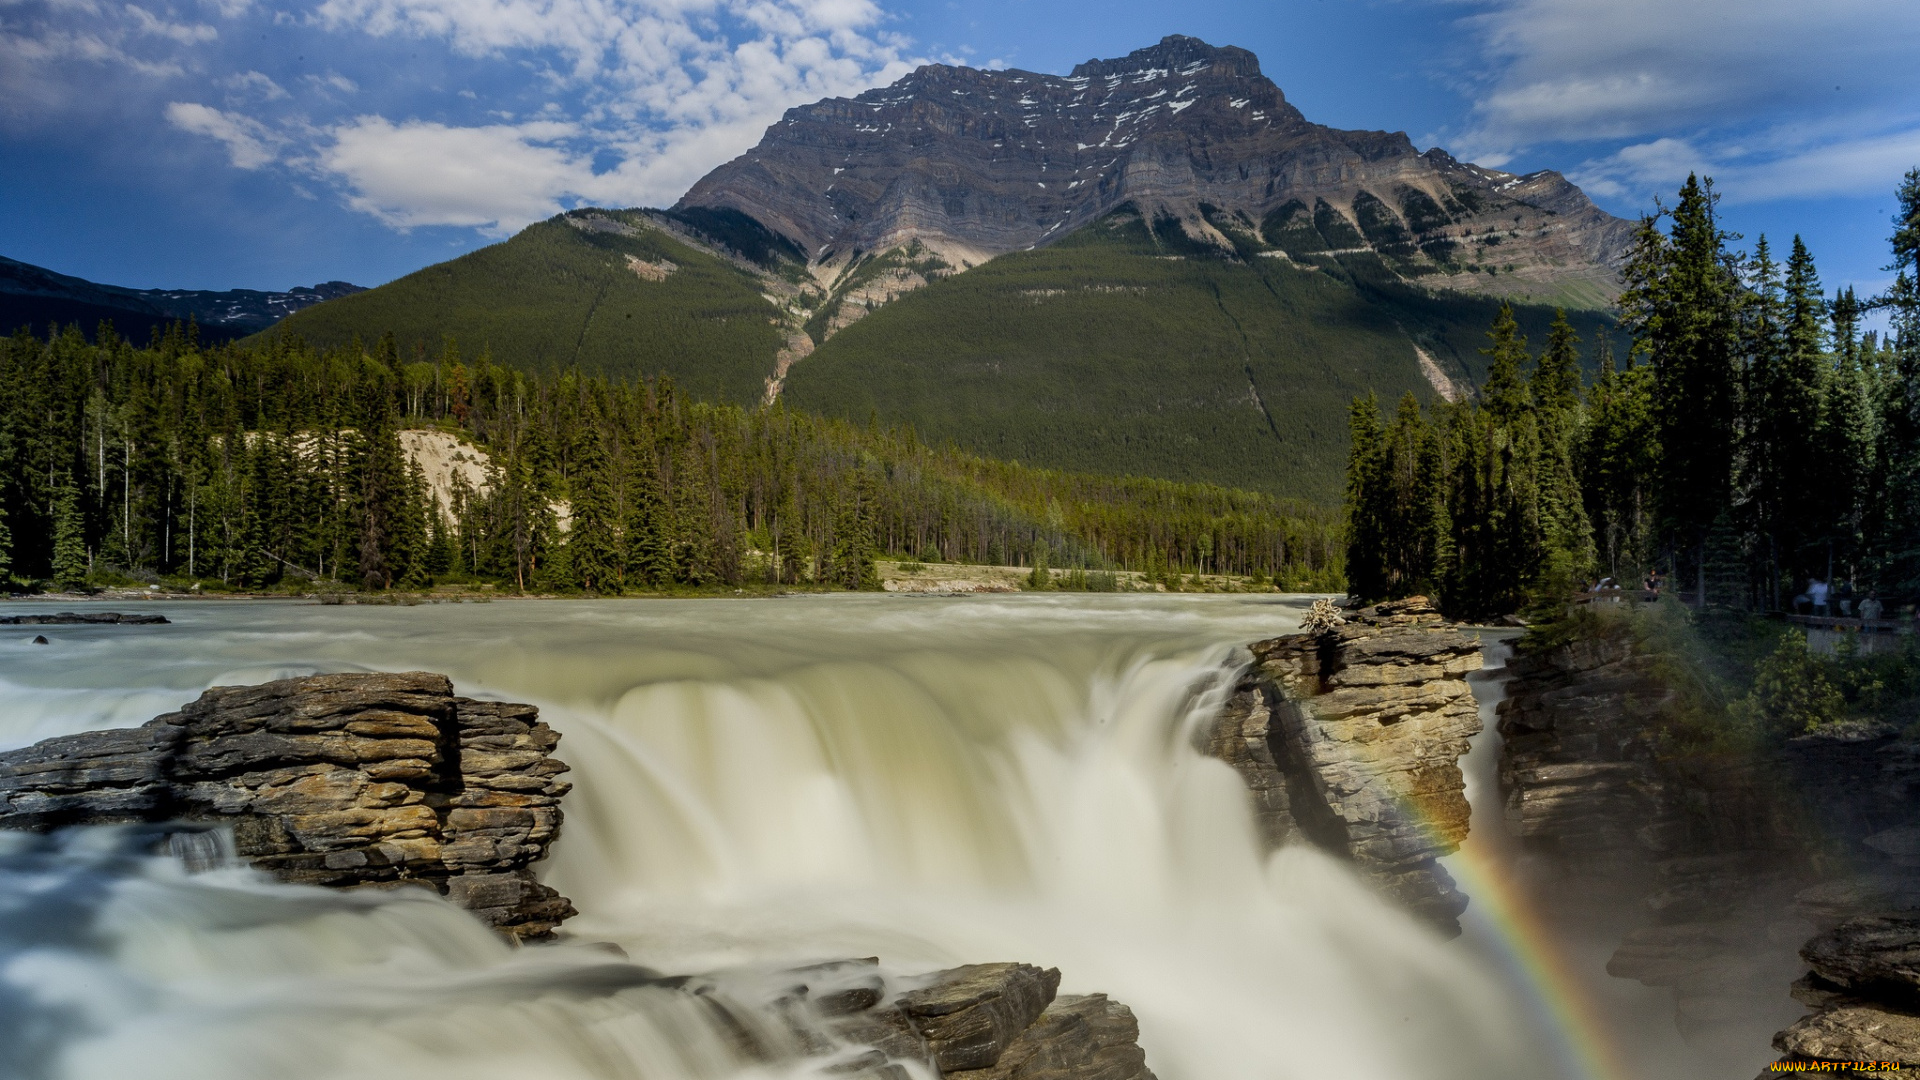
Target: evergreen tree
1367, 573
592, 542
1681, 304
382, 504
69, 546
1506, 393
1617, 459
6, 550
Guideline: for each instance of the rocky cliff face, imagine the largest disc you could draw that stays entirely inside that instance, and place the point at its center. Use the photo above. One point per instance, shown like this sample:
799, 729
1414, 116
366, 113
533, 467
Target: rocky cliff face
1731, 858
1351, 740
341, 780
974, 163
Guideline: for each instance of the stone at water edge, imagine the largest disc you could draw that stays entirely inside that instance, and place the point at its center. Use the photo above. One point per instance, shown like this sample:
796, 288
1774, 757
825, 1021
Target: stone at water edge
1350, 739
337, 780
978, 1022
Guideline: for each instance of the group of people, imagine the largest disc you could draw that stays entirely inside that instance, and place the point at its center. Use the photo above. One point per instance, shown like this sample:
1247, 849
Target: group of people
1651, 585
1824, 599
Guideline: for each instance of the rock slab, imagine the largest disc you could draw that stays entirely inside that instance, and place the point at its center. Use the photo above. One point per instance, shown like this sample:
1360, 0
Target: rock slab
339, 780
1351, 740
997, 1021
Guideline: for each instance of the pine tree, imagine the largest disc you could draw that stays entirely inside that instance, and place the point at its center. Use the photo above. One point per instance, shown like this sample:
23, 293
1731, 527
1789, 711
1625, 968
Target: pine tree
1680, 303
69, 543
1367, 574
592, 543
1506, 393
6, 550
382, 502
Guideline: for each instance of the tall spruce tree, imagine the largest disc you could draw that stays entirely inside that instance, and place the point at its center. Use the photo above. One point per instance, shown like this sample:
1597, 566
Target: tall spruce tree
1681, 305
69, 542
593, 541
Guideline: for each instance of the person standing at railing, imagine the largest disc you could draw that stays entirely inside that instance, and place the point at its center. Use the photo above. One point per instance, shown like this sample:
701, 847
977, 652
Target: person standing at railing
1817, 591
1843, 599
1871, 608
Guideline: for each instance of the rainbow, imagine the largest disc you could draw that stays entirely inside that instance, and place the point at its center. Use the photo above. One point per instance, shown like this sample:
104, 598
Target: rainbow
1527, 949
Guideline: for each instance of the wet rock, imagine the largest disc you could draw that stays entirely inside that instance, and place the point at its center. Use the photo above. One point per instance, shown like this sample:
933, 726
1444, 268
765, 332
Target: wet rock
1875, 957
1350, 740
41, 639
981, 1022
91, 618
1853, 1033
338, 780
968, 1015
1077, 1038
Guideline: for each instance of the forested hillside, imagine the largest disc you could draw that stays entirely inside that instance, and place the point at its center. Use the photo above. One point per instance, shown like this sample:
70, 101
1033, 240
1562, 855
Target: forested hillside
281, 466
607, 293
1753, 441
1126, 348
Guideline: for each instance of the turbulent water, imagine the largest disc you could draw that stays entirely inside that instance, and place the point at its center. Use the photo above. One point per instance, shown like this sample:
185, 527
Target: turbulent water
759, 784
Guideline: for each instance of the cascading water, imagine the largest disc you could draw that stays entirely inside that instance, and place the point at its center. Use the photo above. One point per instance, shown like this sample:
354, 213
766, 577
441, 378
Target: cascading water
758, 785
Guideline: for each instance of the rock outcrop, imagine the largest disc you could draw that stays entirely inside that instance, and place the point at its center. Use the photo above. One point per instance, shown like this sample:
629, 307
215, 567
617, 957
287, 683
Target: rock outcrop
90, 618
339, 780
1865, 989
977, 1022
1731, 855
1351, 739
974, 163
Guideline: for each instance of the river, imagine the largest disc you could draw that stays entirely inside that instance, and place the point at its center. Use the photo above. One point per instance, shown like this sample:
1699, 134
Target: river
761, 784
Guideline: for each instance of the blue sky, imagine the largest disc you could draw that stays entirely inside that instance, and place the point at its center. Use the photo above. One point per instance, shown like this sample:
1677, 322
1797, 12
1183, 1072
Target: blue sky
251, 143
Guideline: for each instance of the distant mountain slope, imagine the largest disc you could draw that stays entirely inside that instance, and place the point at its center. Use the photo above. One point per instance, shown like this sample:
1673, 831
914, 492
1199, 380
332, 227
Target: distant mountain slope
1114, 351
975, 163
35, 297
1154, 265
603, 291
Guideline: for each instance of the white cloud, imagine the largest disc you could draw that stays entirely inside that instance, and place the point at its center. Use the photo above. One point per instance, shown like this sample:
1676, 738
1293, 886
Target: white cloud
1780, 167
146, 22
1580, 69
249, 143
1773, 98
663, 88
491, 178
255, 84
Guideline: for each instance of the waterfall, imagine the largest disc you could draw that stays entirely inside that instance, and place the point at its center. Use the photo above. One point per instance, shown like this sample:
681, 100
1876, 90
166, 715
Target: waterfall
758, 785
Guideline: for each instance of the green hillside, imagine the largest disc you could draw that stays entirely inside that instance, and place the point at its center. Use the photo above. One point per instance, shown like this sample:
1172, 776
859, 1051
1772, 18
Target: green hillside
560, 296
1130, 349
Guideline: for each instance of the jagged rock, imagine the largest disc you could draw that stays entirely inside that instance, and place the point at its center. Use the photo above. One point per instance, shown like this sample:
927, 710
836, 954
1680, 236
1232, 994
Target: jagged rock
1351, 739
981, 1022
91, 618
339, 780
969, 1014
1078, 1038
974, 163
1875, 957
1853, 1033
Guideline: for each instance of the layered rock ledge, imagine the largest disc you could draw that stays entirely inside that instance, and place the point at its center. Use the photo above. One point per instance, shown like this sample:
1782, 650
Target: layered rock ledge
91, 618
339, 780
1350, 740
977, 1022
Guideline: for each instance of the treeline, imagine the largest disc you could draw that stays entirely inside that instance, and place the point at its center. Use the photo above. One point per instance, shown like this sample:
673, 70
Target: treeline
1753, 440
282, 466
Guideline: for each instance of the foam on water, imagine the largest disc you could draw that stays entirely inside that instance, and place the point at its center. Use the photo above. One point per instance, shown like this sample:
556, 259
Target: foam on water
758, 784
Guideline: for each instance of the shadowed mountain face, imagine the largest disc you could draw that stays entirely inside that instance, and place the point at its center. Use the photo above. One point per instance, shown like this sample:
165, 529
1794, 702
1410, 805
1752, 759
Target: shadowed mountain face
35, 297
976, 163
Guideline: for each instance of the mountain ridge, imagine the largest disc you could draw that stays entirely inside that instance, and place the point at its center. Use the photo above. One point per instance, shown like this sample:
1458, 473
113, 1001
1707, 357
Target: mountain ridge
37, 297
973, 163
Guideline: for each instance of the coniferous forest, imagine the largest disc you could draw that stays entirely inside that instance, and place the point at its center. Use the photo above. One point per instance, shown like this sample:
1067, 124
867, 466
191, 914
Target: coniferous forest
1754, 439
279, 466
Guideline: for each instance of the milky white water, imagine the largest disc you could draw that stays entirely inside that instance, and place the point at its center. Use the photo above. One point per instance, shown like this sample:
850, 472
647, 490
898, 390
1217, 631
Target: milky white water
759, 784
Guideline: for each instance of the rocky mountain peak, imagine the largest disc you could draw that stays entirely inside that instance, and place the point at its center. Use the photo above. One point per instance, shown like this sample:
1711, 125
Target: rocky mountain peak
969, 164
1175, 54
